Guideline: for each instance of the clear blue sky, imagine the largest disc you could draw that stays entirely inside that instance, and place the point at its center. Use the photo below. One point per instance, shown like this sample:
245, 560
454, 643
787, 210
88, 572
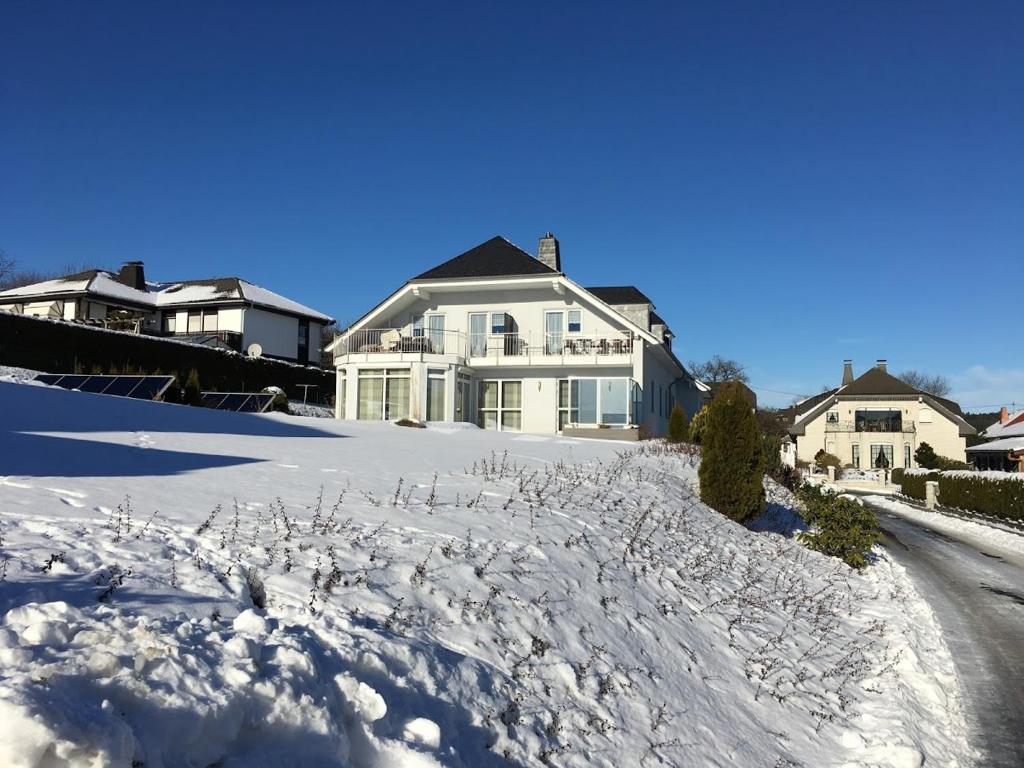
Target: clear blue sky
791, 183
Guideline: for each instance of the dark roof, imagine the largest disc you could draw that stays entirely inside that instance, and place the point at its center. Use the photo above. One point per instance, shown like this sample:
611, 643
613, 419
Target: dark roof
495, 258
875, 381
620, 294
657, 319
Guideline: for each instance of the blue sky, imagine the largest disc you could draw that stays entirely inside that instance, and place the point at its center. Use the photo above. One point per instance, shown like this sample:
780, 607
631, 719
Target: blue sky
793, 184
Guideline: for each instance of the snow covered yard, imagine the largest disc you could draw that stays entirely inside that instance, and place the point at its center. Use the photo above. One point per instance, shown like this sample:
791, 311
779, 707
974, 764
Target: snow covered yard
190, 587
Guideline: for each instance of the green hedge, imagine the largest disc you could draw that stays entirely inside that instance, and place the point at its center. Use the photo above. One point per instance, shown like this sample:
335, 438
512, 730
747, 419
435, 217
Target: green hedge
973, 492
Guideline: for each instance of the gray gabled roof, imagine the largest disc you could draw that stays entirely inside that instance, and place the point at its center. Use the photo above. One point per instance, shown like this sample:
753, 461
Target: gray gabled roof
876, 383
620, 294
495, 258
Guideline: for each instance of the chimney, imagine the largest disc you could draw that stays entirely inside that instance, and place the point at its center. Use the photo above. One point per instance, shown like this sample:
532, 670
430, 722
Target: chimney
548, 253
132, 275
881, 365
1004, 415
847, 372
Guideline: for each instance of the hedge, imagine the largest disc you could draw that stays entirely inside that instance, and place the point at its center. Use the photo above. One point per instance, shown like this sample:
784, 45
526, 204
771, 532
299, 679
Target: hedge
54, 346
989, 493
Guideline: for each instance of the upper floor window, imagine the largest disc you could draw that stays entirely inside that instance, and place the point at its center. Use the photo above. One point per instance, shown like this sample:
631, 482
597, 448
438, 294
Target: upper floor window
832, 417
575, 322
498, 323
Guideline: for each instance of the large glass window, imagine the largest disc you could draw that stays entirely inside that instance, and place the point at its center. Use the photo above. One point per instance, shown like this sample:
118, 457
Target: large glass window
463, 389
856, 456
195, 321
603, 401
878, 421
614, 401
501, 405
906, 456
881, 456
170, 322
435, 396
209, 321
383, 394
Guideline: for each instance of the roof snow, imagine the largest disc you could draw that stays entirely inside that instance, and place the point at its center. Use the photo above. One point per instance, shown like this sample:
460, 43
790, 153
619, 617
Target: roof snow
102, 283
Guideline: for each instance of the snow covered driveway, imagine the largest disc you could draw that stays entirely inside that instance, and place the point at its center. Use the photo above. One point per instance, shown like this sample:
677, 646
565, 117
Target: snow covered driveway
189, 587
976, 587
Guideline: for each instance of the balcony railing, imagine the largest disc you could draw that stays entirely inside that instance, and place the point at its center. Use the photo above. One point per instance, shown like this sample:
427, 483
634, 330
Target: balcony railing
392, 341
548, 345
509, 347
885, 427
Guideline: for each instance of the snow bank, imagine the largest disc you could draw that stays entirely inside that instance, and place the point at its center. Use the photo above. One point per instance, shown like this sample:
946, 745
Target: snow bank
184, 587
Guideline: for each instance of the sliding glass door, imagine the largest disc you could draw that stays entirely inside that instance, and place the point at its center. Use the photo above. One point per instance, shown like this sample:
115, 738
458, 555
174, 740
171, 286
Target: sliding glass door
383, 394
554, 332
478, 334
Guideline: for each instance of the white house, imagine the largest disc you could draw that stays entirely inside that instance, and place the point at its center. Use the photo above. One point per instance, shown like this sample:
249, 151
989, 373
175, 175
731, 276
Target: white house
504, 339
877, 421
228, 312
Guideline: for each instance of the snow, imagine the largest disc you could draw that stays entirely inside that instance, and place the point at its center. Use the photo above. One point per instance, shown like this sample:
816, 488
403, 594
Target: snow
989, 474
59, 285
1003, 444
268, 298
191, 587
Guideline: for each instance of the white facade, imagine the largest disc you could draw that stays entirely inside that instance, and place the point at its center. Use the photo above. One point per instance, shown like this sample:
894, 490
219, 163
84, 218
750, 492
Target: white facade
521, 353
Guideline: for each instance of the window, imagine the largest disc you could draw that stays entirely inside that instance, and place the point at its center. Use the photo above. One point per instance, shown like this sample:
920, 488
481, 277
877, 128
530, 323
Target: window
478, 334
906, 456
575, 323
600, 401
342, 394
210, 321
498, 324
170, 322
554, 332
463, 390
417, 326
435, 395
501, 405
878, 421
195, 321
856, 456
383, 394
303, 347
881, 456
566, 415
832, 417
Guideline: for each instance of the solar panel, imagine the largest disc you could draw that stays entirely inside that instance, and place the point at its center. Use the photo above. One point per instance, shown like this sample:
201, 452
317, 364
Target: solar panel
96, 384
240, 402
136, 387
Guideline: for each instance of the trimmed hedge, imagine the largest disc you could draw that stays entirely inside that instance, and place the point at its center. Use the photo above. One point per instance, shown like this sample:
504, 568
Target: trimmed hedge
980, 492
53, 346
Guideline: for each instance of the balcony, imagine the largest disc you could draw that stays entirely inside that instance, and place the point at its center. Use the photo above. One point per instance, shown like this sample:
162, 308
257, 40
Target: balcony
549, 349
386, 345
879, 427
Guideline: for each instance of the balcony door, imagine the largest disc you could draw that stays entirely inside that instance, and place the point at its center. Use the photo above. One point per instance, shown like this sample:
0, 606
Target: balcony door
477, 334
554, 332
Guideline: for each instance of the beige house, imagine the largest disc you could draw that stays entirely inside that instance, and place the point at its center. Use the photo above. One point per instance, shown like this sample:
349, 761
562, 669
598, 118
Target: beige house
876, 421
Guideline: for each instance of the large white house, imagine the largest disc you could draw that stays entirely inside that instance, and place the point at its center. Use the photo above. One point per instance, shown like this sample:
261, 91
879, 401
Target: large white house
227, 312
504, 339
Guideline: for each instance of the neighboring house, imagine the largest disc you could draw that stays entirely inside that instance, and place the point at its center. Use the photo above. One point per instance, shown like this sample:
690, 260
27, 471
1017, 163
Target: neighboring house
504, 339
1005, 451
227, 312
876, 421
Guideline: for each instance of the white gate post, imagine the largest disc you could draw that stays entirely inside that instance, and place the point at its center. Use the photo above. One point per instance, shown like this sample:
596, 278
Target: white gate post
931, 493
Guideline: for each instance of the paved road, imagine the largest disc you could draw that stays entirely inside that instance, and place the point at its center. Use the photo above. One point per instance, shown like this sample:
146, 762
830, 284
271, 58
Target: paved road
978, 598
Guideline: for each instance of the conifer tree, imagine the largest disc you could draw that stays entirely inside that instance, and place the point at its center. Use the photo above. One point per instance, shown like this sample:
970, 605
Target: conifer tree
732, 461
678, 429
193, 393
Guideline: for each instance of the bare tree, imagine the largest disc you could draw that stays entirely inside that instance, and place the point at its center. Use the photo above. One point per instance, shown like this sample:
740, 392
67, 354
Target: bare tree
6, 270
718, 369
936, 384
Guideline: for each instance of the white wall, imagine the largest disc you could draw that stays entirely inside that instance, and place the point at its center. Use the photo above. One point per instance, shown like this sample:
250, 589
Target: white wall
277, 334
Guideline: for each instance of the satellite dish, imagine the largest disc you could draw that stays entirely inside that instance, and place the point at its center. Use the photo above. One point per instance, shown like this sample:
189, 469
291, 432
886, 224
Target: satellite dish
254, 350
